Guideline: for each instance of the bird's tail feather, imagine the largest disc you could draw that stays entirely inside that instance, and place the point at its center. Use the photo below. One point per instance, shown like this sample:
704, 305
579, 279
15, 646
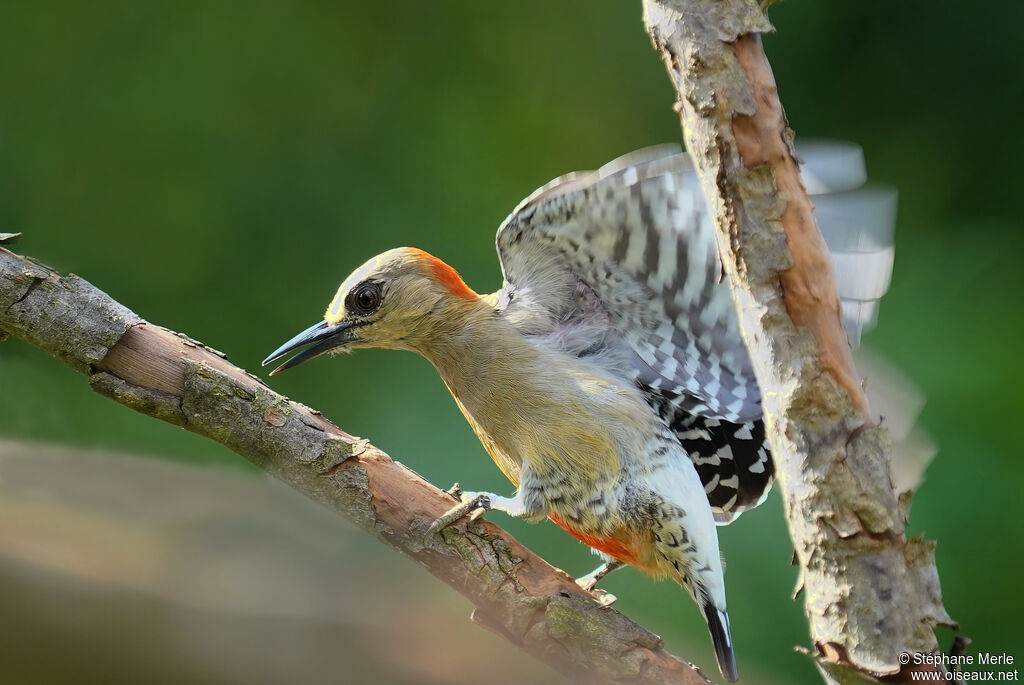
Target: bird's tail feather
721, 638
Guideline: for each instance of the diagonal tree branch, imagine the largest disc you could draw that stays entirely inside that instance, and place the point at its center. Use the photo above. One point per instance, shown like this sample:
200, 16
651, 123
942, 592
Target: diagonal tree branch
168, 376
870, 593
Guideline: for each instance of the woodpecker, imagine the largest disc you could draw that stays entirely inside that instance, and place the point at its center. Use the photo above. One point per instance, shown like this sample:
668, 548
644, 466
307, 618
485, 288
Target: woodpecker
607, 378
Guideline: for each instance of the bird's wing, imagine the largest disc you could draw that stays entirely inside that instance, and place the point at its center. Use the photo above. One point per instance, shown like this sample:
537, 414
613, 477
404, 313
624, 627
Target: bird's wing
636, 237
624, 258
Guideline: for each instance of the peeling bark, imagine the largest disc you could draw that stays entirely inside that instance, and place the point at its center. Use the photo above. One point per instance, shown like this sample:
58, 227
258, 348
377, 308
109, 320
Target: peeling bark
870, 593
171, 377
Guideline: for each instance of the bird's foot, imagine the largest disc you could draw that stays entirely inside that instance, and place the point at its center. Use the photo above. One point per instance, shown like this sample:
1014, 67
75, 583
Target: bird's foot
604, 599
590, 581
475, 504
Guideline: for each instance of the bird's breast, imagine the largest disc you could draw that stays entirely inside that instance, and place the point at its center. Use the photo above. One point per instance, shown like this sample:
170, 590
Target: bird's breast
570, 424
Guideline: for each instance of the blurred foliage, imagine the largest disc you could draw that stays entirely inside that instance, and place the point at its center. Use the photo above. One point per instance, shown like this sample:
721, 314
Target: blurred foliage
219, 167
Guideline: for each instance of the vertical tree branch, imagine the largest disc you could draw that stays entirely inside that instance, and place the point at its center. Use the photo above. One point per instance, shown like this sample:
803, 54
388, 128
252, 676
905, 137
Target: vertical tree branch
870, 593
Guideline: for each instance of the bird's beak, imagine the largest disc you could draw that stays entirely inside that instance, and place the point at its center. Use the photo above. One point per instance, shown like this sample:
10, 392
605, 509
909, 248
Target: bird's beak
321, 337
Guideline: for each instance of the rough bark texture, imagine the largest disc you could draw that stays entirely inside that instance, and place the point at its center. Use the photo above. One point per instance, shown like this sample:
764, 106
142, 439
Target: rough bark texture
870, 593
173, 378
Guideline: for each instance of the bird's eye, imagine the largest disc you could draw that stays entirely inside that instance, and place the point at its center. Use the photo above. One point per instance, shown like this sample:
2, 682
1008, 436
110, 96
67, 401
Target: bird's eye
366, 298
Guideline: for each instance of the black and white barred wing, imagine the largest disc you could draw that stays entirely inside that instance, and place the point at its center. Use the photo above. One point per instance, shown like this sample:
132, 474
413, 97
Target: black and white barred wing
631, 246
635, 235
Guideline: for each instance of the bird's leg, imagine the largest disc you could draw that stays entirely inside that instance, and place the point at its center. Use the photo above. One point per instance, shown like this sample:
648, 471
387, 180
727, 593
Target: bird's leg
475, 504
589, 581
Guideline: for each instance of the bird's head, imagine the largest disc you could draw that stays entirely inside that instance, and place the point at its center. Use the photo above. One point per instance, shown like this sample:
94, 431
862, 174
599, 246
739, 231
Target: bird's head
400, 299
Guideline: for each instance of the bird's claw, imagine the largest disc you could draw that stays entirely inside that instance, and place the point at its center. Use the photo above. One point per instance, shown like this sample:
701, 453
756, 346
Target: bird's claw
474, 504
604, 599
587, 583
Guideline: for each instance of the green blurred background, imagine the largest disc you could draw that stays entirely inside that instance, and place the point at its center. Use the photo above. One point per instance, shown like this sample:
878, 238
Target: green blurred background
220, 166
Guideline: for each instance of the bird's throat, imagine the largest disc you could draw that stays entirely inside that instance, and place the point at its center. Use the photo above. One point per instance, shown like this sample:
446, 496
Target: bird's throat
479, 366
